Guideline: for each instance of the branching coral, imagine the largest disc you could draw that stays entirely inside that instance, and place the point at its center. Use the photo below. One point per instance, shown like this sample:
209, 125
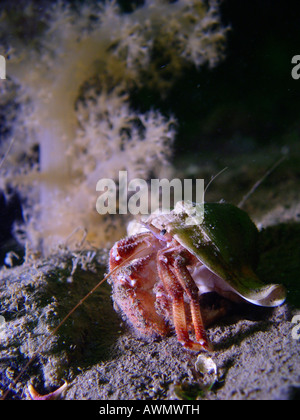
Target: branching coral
113, 137
84, 134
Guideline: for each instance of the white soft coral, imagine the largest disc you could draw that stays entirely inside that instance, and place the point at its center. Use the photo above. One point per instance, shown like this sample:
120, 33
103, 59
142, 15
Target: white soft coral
113, 137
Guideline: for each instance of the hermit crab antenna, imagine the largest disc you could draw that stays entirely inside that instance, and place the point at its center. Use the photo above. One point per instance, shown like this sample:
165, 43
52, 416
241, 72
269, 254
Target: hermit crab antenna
7, 152
212, 179
39, 349
260, 181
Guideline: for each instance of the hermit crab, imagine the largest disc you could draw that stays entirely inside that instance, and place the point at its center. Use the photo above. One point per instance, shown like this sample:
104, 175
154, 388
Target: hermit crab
195, 249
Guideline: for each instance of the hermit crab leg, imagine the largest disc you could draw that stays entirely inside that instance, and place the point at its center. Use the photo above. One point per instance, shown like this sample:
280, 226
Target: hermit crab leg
173, 279
189, 286
175, 291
